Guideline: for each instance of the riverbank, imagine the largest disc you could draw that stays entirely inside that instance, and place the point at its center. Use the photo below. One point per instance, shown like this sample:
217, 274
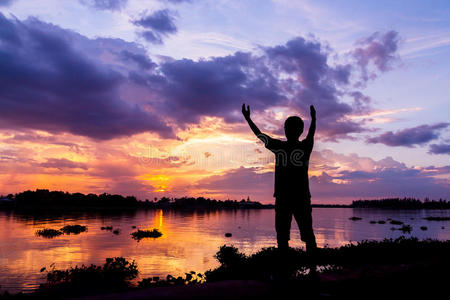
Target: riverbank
400, 267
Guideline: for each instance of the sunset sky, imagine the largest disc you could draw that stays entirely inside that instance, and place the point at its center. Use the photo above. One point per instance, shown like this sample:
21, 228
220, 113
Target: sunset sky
143, 98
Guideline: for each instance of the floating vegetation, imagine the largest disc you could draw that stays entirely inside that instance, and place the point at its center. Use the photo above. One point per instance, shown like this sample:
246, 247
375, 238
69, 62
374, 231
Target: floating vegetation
404, 228
373, 222
395, 222
228, 234
116, 232
134, 226
381, 222
355, 218
48, 233
68, 229
73, 229
106, 228
140, 234
423, 228
437, 218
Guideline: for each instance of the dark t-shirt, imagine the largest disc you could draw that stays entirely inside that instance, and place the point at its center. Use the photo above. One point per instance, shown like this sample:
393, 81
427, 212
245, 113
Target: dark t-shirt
291, 166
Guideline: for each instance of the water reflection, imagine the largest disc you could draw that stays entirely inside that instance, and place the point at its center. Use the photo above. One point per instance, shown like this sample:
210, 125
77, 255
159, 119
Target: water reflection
190, 238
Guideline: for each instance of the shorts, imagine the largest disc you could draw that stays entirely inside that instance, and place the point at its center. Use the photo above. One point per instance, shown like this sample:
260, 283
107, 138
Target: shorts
300, 208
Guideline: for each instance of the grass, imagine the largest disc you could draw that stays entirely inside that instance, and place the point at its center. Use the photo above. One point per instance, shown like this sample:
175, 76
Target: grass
140, 234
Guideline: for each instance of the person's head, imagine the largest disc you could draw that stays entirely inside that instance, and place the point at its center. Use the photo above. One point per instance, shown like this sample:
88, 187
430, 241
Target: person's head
293, 128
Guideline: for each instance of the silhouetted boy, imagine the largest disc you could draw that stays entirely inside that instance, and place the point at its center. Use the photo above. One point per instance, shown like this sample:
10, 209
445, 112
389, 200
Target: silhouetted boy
292, 196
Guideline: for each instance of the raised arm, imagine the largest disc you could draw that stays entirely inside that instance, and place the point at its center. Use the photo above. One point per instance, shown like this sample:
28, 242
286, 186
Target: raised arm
262, 136
312, 127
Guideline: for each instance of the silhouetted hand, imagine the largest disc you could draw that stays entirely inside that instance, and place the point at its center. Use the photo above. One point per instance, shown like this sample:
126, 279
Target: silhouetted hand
246, 112
312, 111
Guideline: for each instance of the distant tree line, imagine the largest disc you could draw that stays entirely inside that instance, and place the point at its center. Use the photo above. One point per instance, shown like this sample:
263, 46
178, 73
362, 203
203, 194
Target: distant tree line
201, 202
402, 203
44, 199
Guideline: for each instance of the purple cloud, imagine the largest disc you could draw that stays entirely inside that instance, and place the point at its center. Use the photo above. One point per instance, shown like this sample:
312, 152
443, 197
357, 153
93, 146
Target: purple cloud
313, 81
89, 87
439, 149
386, 182
388, 178
68, 88
105, 4
63, 163
6, 2
158, 24
410, 137
141, 60
217, 87
379, 50
238, 183
176, 1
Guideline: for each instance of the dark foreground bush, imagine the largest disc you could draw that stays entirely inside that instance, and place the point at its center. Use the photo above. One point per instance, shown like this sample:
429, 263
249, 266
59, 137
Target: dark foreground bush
115, 274
267, 262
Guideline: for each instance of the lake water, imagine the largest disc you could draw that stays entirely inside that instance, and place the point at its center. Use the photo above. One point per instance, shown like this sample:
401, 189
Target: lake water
189, 240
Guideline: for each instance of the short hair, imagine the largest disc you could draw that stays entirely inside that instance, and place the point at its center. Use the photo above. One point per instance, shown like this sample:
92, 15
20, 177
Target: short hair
294, 122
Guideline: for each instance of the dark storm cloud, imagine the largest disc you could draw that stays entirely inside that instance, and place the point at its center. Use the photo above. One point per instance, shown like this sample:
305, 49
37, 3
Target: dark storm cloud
159, 21
313, 81
379, 50
157, 24
105, 4
439, 149
151, 37
60, 81
54, 80
410, 137
217, 87
141, 60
